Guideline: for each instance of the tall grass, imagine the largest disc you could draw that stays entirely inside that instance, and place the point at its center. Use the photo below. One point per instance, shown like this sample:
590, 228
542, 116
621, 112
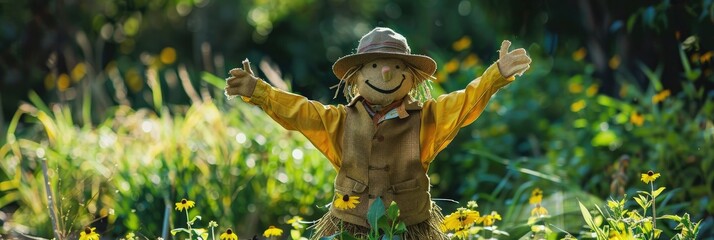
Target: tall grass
240, 167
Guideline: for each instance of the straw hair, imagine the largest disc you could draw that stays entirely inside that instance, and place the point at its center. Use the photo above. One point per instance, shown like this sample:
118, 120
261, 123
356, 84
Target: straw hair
428, 230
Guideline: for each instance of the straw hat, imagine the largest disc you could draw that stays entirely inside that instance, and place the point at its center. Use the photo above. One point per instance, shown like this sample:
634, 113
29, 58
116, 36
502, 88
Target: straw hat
383, 43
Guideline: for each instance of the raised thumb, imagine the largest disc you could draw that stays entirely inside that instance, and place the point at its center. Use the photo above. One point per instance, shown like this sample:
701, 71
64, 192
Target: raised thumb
246, 67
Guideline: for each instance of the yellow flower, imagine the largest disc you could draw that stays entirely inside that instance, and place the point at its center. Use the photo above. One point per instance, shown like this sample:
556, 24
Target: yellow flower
592, 90
614, 62
168, 55
612, 204
273, 231
462, 218
575, 87
184, 204
462, 43
536, 196
661, 96
228, 235
63, 82
78, 72
346, 202
539, 211
580, 54
88, 234
625, 235
577, 106
637, 119
650, 176
295, 222
706, 57
490, 219
462, 233
537, 228
452, 66
470, 61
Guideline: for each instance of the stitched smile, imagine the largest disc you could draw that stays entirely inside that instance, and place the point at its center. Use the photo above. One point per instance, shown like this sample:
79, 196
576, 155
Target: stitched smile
389, 90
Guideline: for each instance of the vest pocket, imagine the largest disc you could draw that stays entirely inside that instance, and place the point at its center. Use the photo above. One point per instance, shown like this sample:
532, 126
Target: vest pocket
406, 186
348, 184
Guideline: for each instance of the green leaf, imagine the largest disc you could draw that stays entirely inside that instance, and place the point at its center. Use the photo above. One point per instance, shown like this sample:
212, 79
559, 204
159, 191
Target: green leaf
213, 80
644, 193
37, 102
393, 211
295, 234
383, 223
640, 201
605, 138
197, 217
401, 228
589, 220
176, 230
631, 22
671, 217
376, 210
658, 191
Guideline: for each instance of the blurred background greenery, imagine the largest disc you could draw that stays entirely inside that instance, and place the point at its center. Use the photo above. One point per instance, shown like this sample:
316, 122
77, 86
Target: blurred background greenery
124, 101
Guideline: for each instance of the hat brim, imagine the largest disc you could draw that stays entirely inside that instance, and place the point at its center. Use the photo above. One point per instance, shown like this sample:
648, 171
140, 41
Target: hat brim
421, 62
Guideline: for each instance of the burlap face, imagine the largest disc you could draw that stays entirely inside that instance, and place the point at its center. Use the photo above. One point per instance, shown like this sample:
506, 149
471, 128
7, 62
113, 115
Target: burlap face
384, 81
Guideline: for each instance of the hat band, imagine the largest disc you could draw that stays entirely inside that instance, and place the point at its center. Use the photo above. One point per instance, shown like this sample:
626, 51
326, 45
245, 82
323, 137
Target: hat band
384, 45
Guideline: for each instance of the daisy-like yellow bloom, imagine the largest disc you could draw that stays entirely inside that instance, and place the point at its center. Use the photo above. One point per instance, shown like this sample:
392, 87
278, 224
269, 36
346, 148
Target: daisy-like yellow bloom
462, 218
661, 96
580, 54
706, 57
489, 220
592, 90
539, 211
461, 44
462, 233
637, 119
88, 234
451, 66
229, 235
184, 204
578, 105
295, 222
344, 202
650, 176
273, 231
614, 62
575, 87
536, 196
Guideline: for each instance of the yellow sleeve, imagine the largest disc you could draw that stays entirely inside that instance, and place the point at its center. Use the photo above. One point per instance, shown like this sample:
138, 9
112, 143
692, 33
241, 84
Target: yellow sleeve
321, 124
442, 118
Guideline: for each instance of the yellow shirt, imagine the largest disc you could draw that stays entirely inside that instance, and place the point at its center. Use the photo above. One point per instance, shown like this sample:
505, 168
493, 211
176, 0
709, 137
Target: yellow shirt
323, 124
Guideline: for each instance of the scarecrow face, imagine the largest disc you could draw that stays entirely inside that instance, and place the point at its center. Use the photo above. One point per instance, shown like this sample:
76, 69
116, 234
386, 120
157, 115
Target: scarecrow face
384, 81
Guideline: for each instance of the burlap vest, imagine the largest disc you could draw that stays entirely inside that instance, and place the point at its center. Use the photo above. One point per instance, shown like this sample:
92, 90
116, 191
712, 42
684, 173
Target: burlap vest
382, 161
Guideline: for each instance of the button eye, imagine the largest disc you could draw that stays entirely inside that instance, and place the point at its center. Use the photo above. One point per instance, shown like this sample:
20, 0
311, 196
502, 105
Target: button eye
374, 65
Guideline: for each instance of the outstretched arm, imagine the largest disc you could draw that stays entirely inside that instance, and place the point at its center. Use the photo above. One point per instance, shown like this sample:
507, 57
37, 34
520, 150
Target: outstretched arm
442, 118
321, 124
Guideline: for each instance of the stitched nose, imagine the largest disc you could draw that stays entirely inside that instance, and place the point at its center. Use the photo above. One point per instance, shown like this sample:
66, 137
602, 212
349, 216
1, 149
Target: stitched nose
386, 74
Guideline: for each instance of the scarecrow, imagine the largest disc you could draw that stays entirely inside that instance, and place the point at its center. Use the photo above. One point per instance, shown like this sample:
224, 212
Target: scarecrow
382, 142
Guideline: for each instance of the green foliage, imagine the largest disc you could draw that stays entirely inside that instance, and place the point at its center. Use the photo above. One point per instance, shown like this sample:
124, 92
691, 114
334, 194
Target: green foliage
384, 223
624, 223
101, 76
130, 168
